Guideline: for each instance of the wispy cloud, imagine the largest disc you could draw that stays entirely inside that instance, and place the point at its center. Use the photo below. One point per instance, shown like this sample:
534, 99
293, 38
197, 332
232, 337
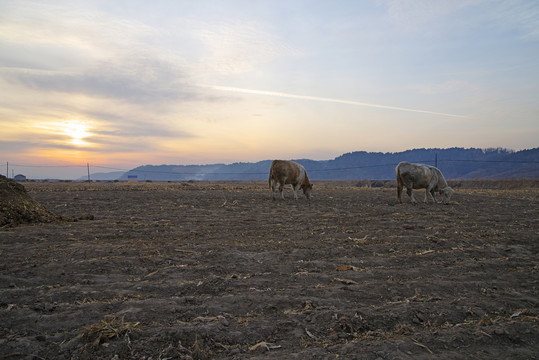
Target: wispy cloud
421, 11
136, 80
324, 99
505, 15
519, 15
234, 47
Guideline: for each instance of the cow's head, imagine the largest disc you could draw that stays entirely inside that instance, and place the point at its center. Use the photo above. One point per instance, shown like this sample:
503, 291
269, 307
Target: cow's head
446, 192
307, 190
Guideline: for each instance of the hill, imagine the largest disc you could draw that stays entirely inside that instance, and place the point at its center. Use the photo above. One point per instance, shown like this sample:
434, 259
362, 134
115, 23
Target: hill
455, 163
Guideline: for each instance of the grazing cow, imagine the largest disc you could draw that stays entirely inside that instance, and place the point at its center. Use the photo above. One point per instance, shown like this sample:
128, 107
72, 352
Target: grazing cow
419, 176
284, 172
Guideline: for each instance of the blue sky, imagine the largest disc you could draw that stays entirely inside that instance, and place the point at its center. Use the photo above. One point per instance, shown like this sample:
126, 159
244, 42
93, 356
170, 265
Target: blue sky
124, 83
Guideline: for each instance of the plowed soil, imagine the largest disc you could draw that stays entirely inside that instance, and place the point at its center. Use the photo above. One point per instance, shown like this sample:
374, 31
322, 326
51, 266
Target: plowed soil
211, 270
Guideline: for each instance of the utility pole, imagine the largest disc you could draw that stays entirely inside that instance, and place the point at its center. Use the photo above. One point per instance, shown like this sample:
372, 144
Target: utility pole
436, 160
88, 166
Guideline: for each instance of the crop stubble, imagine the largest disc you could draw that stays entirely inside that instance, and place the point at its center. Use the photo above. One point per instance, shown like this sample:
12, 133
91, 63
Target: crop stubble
219, 270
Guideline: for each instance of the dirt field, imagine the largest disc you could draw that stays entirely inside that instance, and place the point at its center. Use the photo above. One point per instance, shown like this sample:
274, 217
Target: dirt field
204, 271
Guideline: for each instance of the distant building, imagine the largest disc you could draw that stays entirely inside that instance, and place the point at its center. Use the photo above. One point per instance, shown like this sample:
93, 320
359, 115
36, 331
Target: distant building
20, 177
132, 178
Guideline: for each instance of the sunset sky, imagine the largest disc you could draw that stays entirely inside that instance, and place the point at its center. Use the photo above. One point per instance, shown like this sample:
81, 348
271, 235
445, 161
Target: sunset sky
119, 84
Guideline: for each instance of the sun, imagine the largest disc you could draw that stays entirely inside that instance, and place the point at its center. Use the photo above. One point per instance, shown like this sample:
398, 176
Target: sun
77, 131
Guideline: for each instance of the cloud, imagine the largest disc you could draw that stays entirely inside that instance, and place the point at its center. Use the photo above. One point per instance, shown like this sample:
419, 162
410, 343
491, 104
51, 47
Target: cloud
416, 12
135, 80
522, 15
504, 16
56, 48
235, 47
35, 22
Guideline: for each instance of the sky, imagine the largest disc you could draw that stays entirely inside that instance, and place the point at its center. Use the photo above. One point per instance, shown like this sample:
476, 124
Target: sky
119, 84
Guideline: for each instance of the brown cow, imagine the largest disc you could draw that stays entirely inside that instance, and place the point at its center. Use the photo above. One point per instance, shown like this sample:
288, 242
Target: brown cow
419, 176
284, 172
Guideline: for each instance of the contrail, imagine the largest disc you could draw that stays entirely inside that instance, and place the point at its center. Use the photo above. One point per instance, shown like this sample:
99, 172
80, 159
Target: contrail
316, 98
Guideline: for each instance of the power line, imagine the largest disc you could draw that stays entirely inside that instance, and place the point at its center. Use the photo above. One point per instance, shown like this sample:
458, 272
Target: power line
51, 166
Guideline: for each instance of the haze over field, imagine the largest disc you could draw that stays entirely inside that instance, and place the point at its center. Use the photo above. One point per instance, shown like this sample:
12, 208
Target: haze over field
125, 83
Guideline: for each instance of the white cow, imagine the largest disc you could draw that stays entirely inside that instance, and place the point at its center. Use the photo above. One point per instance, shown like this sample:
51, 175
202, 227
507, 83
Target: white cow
419, 176
284, 172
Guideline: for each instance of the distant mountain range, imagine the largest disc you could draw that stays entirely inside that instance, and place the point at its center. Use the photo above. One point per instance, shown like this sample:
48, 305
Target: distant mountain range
455, 163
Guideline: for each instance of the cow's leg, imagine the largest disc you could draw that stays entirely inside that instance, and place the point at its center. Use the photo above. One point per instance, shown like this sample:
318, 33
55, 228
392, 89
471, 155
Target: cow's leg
273, 189
281, 188
399, 192
411, 194
428, 191
296, 188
